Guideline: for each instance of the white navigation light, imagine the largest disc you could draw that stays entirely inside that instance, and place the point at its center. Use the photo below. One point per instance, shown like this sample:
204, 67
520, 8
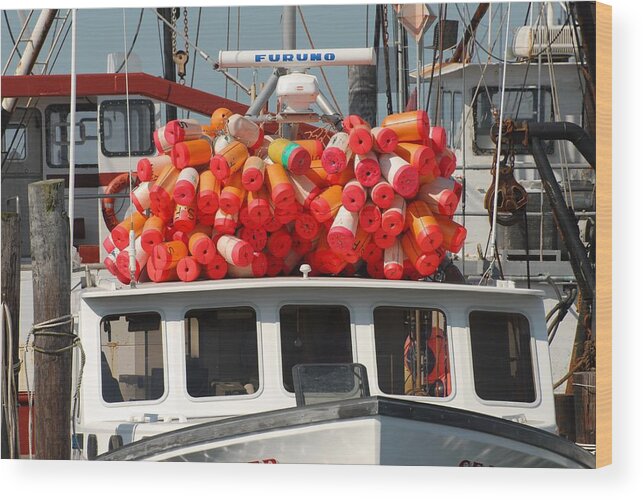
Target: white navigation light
298, 91
295, 58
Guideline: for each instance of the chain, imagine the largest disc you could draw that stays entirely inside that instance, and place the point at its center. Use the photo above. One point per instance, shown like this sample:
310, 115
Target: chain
173, 22
389, 99
185, 29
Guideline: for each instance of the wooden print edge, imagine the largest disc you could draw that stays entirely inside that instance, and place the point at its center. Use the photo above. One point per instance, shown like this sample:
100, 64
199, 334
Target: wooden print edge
603, 312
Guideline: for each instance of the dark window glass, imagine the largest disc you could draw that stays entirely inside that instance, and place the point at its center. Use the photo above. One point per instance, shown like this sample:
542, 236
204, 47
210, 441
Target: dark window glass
402, 367
314, 334
520, 105
58, 135
114, 130
221, 352
501, 353
132, 357
14, 143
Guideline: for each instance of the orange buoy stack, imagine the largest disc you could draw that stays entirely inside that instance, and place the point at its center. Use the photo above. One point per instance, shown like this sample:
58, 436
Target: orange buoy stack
223, 199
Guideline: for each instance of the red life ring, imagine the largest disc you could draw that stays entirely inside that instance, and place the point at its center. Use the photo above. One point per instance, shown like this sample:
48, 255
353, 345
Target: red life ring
117, 184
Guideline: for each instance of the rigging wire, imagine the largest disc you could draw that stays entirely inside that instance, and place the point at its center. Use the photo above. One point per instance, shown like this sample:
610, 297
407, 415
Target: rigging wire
321, 68
435, 60
196, 41
13, 40
129, 52
498, 152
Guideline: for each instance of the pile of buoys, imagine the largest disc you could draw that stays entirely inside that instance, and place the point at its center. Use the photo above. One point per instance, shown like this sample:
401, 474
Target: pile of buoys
223, 200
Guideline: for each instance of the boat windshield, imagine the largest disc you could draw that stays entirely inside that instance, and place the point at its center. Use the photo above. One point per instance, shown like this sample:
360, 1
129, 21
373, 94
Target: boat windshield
412, 351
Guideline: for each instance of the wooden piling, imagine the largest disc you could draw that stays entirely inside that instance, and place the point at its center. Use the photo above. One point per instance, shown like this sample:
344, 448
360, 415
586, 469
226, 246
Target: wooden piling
10, 297
362, 93
50, 254
585, 406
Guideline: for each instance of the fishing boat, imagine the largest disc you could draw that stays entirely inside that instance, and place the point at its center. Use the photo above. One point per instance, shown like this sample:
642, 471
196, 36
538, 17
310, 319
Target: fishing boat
306, 369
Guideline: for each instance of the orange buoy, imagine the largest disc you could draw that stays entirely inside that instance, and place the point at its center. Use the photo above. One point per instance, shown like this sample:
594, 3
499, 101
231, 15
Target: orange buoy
182, 130
188, 269
161, 199
440, 195
184, 218
342, 178
219, 119
446, 163
394, 262
354, 196
256, 269
140, 196
110, 263
424, 228
201, 247
186, 186
360, 139
233, 194
245, 131
225, 223
409, 126
162, 145
393, 217
341, 234
195, 153
234, 250
257, 237
166, 255
367, 169
383, 240
153, 233
306, 226
229, 160
253, 173
355, 252
279, 185
158, 275
221, 142
148, 169
337, 153
370, 217
315, 147
351, 121
418, 156
317, 174
382, 194
287, 213
410, 273
404, 178
305, 190
384, 139
259, 206
120, 234
326, 205
438, 137
216, 269
425, 263
454, 234
300, 245
279, 243
209, 188
291, 155
108, 244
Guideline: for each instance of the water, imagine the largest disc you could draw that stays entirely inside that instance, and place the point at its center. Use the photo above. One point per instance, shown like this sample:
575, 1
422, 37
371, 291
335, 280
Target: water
100, 32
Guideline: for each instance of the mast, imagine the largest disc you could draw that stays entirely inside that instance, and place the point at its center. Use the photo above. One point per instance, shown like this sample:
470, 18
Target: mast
169, 70
289, 42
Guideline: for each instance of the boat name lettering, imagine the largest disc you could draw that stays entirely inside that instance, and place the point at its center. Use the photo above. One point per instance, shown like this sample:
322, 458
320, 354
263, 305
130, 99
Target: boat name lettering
297, 56
472, 463
265, 461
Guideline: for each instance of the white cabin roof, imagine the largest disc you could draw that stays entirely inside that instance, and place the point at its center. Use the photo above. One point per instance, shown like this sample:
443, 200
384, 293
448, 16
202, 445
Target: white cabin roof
146, 289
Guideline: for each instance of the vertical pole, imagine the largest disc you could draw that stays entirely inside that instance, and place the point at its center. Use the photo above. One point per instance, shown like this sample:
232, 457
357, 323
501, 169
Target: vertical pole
418, 83
11, 297
72, 136
49, 231
362, 92
289, 42
169, 69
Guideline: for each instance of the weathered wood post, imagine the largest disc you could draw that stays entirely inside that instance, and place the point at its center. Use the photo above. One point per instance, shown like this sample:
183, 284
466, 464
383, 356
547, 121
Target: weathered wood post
585, 406
49, 231
10, 297
362, 92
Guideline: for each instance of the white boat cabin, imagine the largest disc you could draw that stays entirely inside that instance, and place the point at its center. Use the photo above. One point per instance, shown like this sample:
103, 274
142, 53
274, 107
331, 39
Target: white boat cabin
160, 357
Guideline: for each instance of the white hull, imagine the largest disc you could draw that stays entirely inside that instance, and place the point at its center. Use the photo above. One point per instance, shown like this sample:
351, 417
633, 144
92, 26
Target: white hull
369, 431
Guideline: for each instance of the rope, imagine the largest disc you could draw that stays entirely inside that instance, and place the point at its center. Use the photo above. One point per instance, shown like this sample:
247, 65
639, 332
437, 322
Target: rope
9, 393
129, 52
589, 353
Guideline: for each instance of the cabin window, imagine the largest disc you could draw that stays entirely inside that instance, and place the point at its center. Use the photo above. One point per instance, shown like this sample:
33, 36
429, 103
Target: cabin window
451, 117
57, 135
520, 105
402, 367
14, 143
132, 365
501, 354
221, 352
314, 334
114, 130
